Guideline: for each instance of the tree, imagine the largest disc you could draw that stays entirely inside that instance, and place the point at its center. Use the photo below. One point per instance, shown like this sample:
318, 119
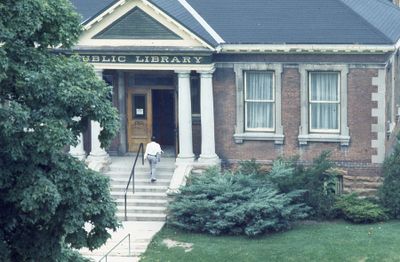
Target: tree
389, 192
46, 196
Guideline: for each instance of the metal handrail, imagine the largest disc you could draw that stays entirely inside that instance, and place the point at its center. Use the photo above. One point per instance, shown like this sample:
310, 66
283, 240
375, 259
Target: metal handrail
112, 249
132, 176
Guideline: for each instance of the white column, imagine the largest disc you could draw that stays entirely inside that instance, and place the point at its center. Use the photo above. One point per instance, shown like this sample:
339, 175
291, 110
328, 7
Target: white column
98, 158
78, 151
185, 118
208, 154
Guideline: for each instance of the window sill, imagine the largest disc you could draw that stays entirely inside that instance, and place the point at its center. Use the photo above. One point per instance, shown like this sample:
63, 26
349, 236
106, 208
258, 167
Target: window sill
277, 138
329, 138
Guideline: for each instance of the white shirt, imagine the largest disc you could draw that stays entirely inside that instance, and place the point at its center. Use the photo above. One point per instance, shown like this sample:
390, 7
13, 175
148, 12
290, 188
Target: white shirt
152, 148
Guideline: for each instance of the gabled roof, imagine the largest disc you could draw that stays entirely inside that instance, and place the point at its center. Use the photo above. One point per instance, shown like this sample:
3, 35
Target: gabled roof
90, 8
175, 9
365, 22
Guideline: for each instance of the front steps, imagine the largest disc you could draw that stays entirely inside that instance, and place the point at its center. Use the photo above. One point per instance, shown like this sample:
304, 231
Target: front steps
146, 208
149, 202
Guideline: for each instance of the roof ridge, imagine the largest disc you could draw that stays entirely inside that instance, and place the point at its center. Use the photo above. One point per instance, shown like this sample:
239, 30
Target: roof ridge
202, 21
377, 30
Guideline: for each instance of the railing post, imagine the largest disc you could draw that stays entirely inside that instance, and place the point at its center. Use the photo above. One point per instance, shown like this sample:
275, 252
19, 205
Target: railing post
142, 155
132, 176
129, 244
126, 217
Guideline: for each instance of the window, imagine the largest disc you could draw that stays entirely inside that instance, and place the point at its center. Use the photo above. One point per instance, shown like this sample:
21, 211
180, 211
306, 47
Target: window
323, 104
139, 106
259, 101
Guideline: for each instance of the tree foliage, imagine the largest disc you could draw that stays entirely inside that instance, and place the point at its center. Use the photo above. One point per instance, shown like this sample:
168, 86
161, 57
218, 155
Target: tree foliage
46, 196
389, 192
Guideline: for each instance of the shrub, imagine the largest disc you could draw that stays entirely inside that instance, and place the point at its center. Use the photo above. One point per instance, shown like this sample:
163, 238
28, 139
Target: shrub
358, 210
317, 180
389, 192
249, 167
234, 204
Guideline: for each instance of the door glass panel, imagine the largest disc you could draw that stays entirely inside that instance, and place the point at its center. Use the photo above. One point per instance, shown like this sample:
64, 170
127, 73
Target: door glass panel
139, 106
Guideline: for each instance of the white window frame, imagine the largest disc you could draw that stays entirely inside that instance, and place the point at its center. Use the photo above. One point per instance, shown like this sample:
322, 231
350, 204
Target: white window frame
246, 101
241, 132
310, 102
335, 136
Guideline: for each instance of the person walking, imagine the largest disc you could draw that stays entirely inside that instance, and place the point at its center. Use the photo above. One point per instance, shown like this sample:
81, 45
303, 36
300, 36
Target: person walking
153, 155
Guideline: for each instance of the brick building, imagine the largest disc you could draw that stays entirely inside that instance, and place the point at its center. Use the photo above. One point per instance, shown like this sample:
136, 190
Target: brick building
232, 80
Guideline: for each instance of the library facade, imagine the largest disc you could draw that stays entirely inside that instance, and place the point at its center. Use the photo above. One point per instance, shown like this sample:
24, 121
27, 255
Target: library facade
212, 88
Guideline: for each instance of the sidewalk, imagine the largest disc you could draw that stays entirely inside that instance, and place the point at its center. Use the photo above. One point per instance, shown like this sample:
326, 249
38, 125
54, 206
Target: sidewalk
141, 234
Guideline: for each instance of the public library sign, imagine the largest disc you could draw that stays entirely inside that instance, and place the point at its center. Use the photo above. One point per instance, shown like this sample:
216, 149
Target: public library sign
146, 59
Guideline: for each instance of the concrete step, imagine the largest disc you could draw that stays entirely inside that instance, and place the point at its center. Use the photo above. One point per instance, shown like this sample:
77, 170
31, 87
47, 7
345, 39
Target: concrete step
143, 202
140, 195
142, 217
153, 187
114, 258
140, 167
138, 181
144, 175
142, 210
143, 180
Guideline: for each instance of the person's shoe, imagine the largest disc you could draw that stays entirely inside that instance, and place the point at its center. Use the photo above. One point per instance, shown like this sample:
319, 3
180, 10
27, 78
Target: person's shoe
153, 180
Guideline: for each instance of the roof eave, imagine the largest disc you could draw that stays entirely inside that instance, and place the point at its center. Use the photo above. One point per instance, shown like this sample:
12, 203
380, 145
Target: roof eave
307, 48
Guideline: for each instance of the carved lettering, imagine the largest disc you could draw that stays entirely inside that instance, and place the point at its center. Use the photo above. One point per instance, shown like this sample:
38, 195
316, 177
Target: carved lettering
186, 60
105, 59
175, 60
85, 58
139, 59
95, 58
155, 59
198, 59
144, 59
164, 59
121, 59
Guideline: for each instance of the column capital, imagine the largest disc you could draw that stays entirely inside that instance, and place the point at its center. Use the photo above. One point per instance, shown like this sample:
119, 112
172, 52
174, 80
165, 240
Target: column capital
206, 73
99, 72
183, 73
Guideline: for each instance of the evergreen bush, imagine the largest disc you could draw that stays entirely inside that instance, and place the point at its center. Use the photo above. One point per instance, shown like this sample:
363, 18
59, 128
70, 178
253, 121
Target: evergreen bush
389, 192
316, 180
234, 204
359, 210
249, 167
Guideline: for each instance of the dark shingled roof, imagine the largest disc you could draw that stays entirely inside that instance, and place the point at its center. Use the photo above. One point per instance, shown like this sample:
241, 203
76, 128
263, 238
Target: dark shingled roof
176, 10
280, 21
90, 8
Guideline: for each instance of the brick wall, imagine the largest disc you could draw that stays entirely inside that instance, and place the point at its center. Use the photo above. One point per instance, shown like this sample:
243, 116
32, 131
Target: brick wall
356, 158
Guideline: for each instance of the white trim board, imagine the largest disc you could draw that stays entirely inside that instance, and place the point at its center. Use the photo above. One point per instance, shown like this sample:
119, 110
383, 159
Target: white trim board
113, 13
203, 22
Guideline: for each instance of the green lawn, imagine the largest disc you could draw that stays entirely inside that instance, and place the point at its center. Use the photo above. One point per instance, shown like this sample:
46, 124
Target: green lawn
327, 241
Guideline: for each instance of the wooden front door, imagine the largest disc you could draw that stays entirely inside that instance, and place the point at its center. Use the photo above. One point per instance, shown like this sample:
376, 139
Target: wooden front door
139, 114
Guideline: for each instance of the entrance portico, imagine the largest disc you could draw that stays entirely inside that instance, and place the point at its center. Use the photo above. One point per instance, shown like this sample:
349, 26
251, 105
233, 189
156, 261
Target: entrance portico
112, 41
98, 157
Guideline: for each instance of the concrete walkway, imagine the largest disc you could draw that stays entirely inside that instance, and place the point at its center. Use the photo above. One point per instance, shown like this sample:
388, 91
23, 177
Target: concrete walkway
141, 234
